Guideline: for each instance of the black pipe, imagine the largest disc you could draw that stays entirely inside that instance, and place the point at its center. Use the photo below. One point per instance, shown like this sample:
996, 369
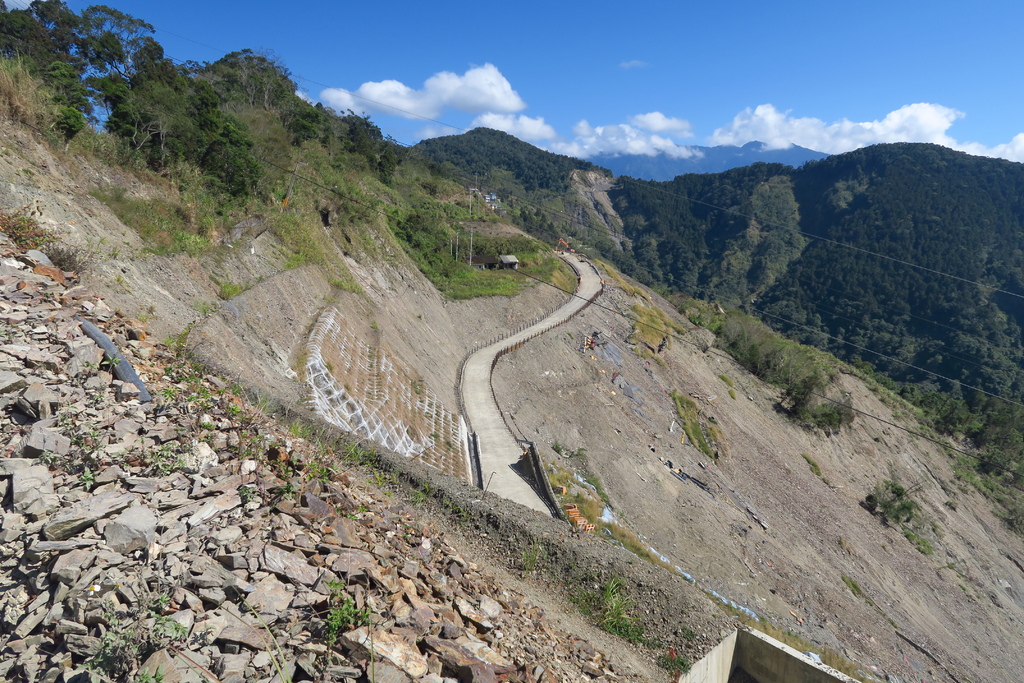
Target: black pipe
123, 370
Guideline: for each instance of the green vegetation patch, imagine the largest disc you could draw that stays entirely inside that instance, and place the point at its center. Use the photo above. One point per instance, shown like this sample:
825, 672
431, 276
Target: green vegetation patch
891, 501
802, 372
23, 230
652, 326
853, 586
686, 409
812, 464
612, 608
164, 226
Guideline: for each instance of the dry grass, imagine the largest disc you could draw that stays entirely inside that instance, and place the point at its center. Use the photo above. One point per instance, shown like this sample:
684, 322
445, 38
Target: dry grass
652, 325
620, 281
22, 96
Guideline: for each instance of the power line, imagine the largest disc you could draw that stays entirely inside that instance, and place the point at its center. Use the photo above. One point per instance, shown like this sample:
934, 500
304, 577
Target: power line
845, 245
834, 314
837, 339
734, 212
312, 82
974, 456
901, 313
889, 358
678, 195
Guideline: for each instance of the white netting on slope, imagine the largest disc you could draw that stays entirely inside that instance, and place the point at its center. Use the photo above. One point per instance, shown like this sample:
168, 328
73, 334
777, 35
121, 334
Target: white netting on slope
362, 390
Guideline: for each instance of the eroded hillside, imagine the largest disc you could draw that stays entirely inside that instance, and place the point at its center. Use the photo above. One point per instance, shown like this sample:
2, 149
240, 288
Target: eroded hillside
615, 403
821, 564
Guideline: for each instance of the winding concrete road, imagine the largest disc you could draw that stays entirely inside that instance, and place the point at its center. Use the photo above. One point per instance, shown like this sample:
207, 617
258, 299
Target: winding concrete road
499, 450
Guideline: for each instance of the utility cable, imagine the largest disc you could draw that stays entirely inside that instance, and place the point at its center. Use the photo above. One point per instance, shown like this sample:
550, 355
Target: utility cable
680, 196
834, 314
656, 188
890, 358
728, 357
845, 245
901, 313
857, 346
312, 82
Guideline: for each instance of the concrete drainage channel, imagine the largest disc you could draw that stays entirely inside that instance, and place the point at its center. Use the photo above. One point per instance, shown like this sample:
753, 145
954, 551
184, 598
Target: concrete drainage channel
753, 657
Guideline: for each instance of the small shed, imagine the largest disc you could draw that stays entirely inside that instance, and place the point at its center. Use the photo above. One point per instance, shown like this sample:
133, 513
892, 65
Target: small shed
509, 261
485, 263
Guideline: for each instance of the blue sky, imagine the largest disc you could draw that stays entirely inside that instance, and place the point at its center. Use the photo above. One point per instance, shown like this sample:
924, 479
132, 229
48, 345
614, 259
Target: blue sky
642, 77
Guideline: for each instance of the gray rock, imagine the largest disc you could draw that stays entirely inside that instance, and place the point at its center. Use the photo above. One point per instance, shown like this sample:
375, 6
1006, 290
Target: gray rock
67, 627
83, 514
210, 509
30, 621
291, 565
399, 651
133, 529
9, 466
200, 457
32, 491
207, 573
10, 382
38, 401
61, 546
255, 637
41, 439
86, 358
125, 391
161, 666
490, 607
271, 596
352, 561
38, 258
69, 567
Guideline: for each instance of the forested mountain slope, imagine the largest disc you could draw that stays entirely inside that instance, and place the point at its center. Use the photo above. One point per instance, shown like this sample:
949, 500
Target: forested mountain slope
484, 151
860, 246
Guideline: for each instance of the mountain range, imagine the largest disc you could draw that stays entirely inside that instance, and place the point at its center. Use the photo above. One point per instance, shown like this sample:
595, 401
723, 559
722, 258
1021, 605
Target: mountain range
700, 159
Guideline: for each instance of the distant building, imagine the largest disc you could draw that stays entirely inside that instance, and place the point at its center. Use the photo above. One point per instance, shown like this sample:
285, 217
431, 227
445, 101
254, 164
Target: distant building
485, 263
505, 261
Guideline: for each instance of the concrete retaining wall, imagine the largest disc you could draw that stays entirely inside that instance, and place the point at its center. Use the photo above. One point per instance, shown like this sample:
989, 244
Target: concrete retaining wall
764, 658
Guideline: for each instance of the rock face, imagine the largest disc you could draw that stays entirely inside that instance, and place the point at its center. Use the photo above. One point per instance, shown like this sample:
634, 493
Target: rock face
192, 538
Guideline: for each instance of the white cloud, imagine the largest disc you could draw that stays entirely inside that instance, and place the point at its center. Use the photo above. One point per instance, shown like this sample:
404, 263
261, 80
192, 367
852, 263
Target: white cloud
523, 127
919, 122
1012, 150
481, 89
619, 139
656, 122
633, 64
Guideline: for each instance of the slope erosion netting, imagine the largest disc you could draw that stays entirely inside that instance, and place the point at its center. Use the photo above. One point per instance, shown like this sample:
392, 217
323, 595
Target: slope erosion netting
359, 388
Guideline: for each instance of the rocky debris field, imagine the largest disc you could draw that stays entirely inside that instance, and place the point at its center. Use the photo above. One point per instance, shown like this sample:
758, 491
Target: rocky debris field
192, 538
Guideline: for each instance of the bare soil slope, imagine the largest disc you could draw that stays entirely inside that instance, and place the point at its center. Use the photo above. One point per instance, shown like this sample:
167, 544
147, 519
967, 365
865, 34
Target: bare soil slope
962, 600
963, 604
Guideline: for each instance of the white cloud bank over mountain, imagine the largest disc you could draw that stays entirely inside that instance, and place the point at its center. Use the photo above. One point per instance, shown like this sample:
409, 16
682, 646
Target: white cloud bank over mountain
484, 92
919, 122
589, 141
523, 127
482, 89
